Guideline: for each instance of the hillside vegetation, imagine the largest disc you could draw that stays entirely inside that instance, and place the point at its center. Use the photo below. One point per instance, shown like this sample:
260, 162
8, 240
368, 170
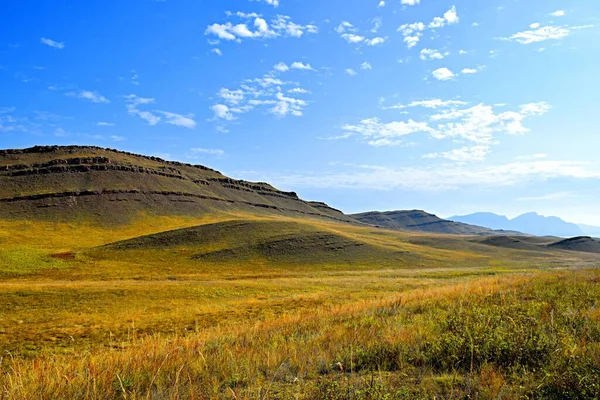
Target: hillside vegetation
162, 301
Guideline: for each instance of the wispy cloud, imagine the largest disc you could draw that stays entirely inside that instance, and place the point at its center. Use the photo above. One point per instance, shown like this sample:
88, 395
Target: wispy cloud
442, 177
52, 43
542, 33
133, 103
198, 151
92, 96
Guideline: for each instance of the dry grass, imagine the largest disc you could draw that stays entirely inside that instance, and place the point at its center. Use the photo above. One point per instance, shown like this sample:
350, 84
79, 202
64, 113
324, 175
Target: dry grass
99, 324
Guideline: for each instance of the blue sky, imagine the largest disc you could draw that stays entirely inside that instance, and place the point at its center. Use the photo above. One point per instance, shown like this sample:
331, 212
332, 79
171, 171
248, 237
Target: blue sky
448, 106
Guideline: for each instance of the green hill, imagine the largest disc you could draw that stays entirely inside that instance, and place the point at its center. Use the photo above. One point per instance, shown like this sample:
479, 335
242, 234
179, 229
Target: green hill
65, 183
419, 221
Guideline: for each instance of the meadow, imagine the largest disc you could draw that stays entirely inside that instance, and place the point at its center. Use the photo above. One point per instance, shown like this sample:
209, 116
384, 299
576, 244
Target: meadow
104, 312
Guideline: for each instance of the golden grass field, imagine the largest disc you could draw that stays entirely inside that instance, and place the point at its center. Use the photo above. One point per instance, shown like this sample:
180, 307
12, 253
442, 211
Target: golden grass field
330, 311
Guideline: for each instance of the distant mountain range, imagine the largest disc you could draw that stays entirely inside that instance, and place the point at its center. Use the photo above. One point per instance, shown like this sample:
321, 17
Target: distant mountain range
531, 223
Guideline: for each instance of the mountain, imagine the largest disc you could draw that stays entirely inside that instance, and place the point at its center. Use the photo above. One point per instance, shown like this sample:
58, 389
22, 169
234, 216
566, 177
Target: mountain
66, 183
420, 221
531, 223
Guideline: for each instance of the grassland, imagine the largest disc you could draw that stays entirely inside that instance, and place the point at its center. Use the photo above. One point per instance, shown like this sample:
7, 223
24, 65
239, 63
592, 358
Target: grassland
281, 312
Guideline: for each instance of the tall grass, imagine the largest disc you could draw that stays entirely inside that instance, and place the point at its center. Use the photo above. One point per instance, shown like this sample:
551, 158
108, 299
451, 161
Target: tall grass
535, 336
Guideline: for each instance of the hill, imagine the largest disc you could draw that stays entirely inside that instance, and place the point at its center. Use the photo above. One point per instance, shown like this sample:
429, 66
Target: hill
584, 244
420, 221
66, 183
531, 223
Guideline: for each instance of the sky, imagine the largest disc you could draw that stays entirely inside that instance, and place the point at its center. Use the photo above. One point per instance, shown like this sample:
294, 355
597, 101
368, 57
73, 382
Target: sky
450, 106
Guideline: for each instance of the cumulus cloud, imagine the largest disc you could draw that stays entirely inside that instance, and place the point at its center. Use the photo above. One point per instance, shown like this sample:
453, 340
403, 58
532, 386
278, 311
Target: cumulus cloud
349, 33
366, 65
558, 13
222, 111
302, 66
443, 74
412, 32
432, 54
255, 27
350, 71
266, 92
450, 119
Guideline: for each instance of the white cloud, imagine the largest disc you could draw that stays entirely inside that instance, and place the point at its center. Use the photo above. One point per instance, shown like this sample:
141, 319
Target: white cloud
377, 22
381, 4
222, 111
347, 32
212, 152
413, 32
153, 117
350, 71
102, 123
184, 121
432, 104
94, 97
52, 43
535, 25
451, 119
298, 91
431, 54
117, 138
437, 178
412, 41
462, 52
288, 106
280, 26
217, 52
266, 92
471, 71
281, 67
451, 16
373, 129
299, 65
464, 154
544, 33
550, 197
274, 3
376, 41
366, 65
559, 13
443, 74
410, 2
352, 38
345, 26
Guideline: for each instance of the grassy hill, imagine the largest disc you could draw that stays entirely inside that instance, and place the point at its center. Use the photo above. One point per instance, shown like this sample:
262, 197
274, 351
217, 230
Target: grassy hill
67, 183
420, 221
